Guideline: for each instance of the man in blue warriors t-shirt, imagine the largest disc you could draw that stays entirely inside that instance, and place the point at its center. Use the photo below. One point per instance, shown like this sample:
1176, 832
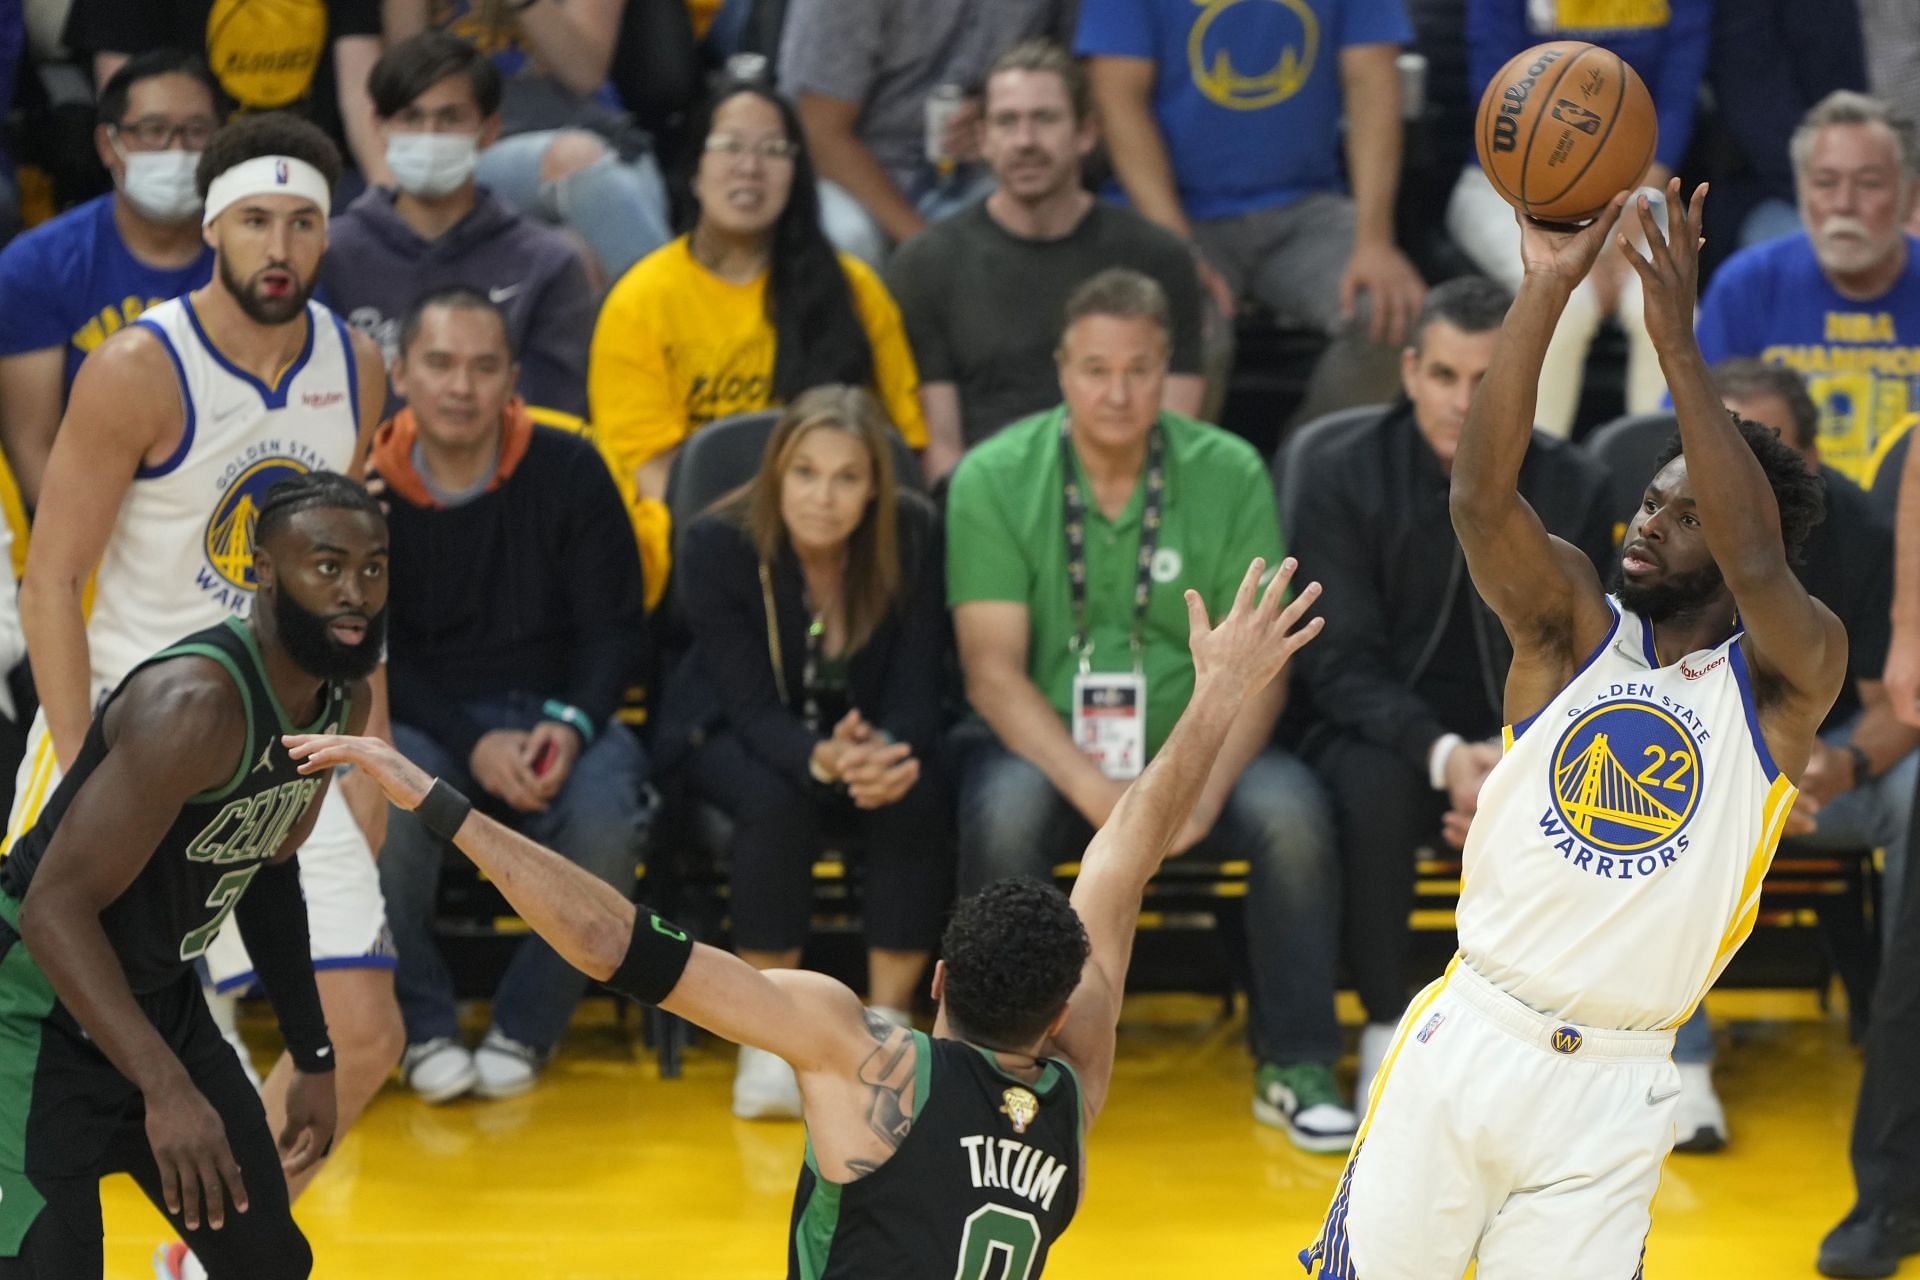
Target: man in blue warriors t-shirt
1224, 122
73, 282
1840, 302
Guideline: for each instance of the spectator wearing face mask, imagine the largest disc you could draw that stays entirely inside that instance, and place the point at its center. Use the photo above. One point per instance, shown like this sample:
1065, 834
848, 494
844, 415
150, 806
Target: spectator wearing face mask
71, 283
437, 100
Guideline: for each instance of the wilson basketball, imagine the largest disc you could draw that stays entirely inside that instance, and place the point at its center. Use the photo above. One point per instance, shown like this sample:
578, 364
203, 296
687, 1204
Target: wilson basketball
1563, 128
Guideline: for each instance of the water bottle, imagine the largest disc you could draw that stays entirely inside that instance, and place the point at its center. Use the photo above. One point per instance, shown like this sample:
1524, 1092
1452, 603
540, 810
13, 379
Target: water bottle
943, 104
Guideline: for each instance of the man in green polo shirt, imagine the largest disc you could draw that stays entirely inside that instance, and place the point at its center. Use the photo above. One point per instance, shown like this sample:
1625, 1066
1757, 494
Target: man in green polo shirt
1071, 538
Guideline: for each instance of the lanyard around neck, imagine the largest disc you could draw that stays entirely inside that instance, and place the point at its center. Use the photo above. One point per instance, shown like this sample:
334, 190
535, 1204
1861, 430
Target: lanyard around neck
1075, 506
816, 634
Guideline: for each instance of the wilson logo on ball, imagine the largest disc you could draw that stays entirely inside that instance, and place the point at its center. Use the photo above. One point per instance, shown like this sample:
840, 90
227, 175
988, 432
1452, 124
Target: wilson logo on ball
1506, 129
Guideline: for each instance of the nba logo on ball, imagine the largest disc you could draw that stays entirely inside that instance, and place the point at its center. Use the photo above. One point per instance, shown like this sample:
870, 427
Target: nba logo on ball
280, 172
1566, 1040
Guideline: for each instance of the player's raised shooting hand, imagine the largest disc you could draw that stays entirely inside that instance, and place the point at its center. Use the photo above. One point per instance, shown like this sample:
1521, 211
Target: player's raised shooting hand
1670, 269
403, 782
198, 1174
312, 1121
1254, 641
1556, 253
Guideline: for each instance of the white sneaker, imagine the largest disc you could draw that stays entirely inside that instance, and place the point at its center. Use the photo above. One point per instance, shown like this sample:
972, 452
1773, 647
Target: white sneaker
764, 1087
1376, 1038
174, 1261
438, 1070
505, 1068
1699, 1121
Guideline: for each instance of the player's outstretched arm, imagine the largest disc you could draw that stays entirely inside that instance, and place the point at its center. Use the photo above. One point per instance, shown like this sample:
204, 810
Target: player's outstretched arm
108, 833
1232, 662
809, 1019
1792, 635
1544, 590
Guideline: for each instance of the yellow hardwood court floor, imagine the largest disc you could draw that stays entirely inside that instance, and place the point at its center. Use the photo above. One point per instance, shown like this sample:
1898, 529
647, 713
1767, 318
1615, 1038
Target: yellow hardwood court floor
607, 1172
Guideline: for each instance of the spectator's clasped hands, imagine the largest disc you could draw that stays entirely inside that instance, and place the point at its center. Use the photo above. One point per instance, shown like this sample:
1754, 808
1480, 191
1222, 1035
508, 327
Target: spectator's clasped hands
876, 770
502, 764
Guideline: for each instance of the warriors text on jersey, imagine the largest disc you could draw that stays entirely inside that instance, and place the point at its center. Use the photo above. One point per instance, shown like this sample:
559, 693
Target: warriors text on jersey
221, 838
1615, 864
180, 556
985, 1181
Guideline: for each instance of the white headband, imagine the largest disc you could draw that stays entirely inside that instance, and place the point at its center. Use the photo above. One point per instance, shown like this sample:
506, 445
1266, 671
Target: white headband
266, 176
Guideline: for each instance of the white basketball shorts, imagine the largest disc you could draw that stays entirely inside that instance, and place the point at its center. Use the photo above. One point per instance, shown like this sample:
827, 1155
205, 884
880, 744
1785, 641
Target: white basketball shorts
1499, 1134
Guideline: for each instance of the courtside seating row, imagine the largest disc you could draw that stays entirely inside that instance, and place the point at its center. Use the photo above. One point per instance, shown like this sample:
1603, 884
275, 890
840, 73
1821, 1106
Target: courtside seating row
1816, 910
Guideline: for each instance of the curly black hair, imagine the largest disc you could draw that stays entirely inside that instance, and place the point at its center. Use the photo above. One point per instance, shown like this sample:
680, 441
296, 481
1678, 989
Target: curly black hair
1800, 494
268, 133
1014, 952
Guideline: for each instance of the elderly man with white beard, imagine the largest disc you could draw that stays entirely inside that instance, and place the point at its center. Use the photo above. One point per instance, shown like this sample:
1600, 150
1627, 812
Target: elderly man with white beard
1840, 302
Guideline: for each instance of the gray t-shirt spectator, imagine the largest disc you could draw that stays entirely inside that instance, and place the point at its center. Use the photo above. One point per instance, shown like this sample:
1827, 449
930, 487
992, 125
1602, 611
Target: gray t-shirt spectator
984, 307
889, 54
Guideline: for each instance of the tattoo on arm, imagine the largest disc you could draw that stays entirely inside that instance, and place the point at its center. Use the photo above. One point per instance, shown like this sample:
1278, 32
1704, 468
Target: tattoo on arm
887, 1074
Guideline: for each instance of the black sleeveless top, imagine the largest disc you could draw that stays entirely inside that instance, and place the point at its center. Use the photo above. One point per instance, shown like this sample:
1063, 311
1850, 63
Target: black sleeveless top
986, 1180
221, 838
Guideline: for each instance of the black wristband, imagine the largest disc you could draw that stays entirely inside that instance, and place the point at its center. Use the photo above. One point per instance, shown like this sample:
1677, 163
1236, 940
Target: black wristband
657, 955
443, 810
1862, 766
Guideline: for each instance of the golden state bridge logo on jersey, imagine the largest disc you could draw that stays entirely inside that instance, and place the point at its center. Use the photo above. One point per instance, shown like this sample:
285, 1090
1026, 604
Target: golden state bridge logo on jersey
1626, 779
228, 574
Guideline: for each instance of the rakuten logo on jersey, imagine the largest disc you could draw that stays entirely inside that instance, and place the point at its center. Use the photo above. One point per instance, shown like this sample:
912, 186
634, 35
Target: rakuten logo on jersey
1692, 674
321, 399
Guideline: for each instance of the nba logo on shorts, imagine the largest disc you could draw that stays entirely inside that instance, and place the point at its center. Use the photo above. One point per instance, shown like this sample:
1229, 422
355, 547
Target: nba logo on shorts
1566, 1040
280, 172
1433, 1025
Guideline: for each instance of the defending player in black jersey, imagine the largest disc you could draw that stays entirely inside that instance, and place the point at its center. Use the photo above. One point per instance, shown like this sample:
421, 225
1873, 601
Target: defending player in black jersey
953, 1156
183, 808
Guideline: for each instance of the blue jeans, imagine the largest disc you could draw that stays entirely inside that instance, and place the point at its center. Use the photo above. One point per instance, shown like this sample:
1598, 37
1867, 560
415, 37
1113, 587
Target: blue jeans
619, 207
1013, 823
1876, 816
594, 822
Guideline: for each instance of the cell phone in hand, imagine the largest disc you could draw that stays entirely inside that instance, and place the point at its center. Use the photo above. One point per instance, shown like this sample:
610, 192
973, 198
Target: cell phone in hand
543, 759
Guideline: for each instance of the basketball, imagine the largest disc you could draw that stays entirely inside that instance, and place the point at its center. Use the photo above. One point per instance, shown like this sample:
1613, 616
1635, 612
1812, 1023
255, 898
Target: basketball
1563, 128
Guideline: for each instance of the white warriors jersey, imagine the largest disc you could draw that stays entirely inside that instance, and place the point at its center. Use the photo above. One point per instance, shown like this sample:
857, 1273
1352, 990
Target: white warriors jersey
1614, 864
180, 556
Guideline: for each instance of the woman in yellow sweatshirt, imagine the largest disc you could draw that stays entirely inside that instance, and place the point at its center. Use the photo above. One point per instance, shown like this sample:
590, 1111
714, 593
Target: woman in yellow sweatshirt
744, 312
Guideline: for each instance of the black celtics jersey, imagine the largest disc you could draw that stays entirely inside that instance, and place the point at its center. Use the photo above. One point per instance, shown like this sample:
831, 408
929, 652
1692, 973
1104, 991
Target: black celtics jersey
984, 1183
221, 838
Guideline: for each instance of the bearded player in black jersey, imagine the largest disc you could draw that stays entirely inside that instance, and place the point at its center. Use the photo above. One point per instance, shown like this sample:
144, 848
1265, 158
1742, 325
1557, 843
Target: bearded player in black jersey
956, 1155
184, 808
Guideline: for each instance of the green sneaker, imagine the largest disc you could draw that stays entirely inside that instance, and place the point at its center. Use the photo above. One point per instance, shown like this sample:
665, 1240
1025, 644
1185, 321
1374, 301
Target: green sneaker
1302, 1100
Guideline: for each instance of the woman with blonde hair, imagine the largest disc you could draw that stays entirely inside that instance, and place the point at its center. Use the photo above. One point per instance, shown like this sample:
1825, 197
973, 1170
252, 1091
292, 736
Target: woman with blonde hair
810, 699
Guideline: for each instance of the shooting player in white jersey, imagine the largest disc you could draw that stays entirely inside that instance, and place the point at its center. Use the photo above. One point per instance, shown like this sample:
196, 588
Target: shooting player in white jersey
176, 428
1526, 1107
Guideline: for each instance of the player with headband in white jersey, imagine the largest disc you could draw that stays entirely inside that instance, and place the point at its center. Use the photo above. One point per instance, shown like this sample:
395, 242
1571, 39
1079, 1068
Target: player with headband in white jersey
177, 427
1525, 1109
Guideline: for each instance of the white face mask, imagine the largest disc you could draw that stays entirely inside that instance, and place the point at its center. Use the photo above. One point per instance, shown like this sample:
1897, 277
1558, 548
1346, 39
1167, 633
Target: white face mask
431, 164
160, 184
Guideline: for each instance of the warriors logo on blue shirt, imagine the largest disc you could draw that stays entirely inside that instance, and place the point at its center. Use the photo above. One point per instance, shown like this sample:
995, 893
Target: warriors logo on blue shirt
230, 530
1626, 777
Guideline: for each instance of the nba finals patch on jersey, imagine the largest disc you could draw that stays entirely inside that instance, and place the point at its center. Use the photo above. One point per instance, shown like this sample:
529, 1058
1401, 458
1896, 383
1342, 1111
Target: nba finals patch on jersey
1020, 1106
1626, 781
